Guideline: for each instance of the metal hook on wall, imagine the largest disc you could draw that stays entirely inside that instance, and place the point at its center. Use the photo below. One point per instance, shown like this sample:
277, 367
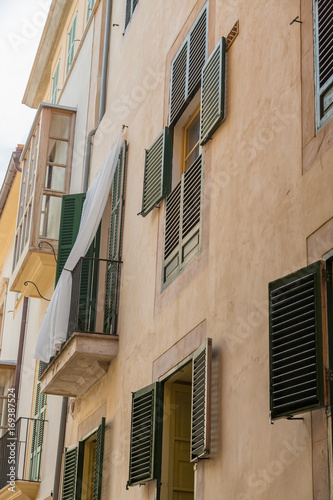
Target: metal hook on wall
48, 243
34, 284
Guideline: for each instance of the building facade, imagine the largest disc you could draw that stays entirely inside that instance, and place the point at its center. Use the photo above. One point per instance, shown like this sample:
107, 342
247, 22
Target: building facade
194, 355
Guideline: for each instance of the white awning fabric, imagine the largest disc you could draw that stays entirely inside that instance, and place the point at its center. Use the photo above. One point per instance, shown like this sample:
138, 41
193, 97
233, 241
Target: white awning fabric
54, 327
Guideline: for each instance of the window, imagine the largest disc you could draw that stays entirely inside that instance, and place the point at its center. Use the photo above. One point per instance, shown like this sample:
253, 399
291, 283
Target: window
186, 436
90, 6
83, 467
191, 140
323, 57
37, 431
54, 94
130, 7
71, 44
296, 342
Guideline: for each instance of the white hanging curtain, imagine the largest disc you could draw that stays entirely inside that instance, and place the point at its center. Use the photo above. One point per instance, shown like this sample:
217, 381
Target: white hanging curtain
54, 327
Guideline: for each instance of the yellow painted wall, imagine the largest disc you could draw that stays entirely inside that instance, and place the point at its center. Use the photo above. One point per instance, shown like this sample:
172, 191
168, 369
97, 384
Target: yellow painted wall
79, 8
8, 219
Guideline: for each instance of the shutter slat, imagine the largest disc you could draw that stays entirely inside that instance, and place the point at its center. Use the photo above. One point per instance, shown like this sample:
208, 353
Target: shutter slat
213, 86
296, 377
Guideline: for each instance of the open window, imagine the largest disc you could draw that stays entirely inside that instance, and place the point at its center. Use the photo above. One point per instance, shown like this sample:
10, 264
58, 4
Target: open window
83, 467
46, 172
182, 404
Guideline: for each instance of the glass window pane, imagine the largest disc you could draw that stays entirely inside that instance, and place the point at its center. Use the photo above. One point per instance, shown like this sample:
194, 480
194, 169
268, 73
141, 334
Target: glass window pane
57, 151
192, 134
55, 178
193, 156
59, 125
50, 217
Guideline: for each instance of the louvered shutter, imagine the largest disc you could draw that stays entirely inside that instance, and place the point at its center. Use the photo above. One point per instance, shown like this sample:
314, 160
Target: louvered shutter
187, 65
197, 51
54, 93
157, 174
295, 342
115, 242
99, 461
72, 475
323, 29
146, 435
71, 211
128, 12
37, 430
70, 219
201, 401
213, 86
182, 234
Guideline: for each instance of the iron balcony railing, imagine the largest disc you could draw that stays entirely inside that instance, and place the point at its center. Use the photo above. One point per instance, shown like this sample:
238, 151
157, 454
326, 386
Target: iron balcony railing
20, 453
95, 296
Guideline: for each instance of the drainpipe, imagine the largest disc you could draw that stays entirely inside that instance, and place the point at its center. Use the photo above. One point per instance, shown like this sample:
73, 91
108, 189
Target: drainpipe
102, 103
20, 348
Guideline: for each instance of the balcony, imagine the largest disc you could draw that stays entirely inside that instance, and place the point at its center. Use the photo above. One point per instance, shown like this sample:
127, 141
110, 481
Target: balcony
92, 340
46, 170
19, 462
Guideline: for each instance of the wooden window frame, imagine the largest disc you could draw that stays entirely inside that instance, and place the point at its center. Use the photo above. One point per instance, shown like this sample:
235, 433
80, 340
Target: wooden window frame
193, 116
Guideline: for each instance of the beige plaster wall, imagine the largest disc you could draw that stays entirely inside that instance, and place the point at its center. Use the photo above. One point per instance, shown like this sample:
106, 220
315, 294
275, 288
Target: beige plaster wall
259, 211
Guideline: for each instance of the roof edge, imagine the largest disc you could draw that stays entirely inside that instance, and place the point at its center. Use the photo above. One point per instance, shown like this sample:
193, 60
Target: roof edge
41, 69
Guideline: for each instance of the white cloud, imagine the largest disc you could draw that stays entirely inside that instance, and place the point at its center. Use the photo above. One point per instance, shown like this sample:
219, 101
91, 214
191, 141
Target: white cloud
21, 26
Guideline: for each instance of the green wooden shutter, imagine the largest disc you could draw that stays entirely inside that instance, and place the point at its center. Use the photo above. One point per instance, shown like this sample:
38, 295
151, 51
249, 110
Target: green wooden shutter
201, 401
146, 435
115, 242
90, 6
213, 86
54, 94
99, 461
183, 221
186, 66
197, 51
157, 175
71, 211
71, 44
295, 342
323, 56
37, 431
128, 12
72, 476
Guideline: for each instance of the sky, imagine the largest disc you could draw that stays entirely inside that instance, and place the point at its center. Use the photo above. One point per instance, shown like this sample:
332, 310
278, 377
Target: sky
21, 26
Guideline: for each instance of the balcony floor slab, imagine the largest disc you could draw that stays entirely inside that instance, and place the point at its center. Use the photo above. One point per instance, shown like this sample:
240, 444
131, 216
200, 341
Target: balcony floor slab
81, 362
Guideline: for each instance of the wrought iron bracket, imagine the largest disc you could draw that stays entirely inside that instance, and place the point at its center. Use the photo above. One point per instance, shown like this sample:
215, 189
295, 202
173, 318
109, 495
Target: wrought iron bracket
49, 244
34, 284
